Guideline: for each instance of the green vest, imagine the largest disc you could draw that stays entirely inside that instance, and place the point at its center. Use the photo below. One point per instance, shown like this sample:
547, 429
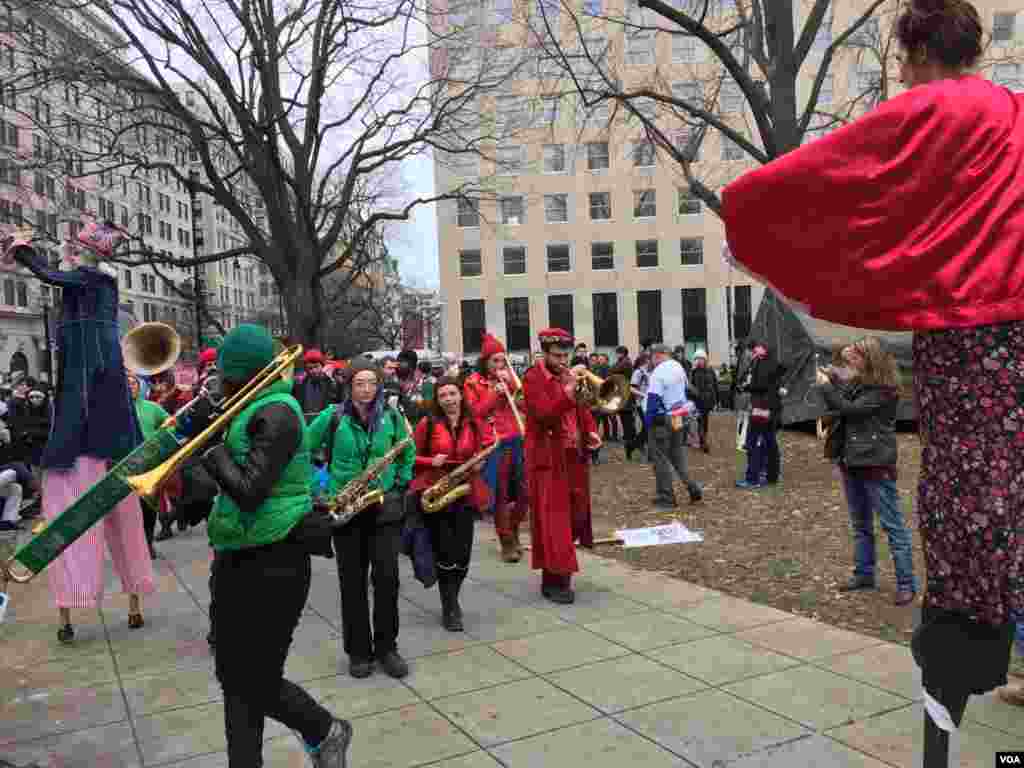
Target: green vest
290, 498
151, 416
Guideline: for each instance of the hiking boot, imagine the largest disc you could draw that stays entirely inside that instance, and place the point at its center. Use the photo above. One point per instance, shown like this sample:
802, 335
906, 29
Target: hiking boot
856, 583
560, 595
509, 550
360, 668
451, 611
393, 664
331, 752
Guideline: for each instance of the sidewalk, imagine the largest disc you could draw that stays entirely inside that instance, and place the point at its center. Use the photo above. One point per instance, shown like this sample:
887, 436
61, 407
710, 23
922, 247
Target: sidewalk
642, 671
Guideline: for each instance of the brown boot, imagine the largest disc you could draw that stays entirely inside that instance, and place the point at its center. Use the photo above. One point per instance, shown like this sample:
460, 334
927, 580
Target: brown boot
509, 550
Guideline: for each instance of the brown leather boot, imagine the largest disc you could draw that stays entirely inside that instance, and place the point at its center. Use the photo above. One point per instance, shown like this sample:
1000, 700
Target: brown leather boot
509, 550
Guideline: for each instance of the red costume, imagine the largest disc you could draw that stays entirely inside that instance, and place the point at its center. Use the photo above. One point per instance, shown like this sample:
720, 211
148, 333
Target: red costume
910, 218
557, 472
471, 441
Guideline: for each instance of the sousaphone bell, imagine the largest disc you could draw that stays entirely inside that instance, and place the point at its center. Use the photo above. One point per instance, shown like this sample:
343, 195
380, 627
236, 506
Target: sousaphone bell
151, 348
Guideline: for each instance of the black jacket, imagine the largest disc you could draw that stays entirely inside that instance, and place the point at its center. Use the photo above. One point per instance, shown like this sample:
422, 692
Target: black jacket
275, 435
765, 380
314, 393
705, 388
868, 422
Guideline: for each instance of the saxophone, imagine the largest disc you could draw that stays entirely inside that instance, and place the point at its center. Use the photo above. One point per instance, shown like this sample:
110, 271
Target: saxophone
354, 497
450, 488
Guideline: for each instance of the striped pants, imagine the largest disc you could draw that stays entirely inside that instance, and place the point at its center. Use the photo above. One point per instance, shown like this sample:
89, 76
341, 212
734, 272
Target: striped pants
77, 576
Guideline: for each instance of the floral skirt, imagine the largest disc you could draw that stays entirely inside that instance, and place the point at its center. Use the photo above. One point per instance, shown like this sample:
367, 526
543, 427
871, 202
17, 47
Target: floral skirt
969, 385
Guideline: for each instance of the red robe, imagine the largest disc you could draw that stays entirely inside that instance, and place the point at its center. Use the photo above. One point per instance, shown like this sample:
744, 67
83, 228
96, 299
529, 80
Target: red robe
910, 218
556, 471
490, 406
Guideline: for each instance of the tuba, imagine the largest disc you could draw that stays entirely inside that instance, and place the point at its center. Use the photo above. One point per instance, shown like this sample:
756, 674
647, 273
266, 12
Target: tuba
605, 395
451, 487
151, 348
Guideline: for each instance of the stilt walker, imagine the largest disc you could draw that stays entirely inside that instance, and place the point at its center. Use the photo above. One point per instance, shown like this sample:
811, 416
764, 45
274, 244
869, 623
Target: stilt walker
94, 424
490, 393
560, 434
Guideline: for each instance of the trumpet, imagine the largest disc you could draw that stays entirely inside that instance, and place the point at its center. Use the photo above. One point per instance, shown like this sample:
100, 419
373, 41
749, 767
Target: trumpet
605, 395
450, 488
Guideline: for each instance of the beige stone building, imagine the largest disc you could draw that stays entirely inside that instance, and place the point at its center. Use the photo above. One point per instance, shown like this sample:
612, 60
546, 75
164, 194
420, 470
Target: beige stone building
586, 226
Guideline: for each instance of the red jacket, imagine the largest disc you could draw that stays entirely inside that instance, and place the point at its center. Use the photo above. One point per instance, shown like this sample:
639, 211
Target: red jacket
470, 443
554, 421
490, 406
910, 218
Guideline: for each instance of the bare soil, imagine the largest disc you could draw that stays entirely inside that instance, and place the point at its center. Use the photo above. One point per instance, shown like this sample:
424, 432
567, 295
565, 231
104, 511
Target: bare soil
788, 546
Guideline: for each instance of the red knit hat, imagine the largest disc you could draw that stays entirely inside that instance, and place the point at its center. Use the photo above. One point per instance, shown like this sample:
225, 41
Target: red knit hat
208, 356
313, 356
490, 346
555, 336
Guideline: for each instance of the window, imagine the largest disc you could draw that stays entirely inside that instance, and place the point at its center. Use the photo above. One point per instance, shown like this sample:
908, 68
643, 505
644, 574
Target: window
468, 213
126, 277
645, 203
606, 320
647, 253
743, 319
868, 81
10, 134
695, 317
684, 49
600, 206
731, 151
591, 8
512, 211
470, 263
509, 160
1007, 75
560, 312
502, 14
689, 204
640, 47
509, 113
22, 294
514, 259
39, 184
597, 155
559, 257
556, 209
554, 158
517, 324
648, 312
547, 111
866, 34
1003, 27
643, 154
602, 256
691, 251
548, 9
9, 292
730, 97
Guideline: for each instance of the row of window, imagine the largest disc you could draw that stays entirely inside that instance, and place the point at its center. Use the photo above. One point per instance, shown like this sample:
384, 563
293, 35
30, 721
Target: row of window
512, 209
605, 313
15, 293
559, 257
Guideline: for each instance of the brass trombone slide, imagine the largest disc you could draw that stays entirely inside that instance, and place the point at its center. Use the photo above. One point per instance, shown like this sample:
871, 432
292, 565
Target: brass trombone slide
512, 400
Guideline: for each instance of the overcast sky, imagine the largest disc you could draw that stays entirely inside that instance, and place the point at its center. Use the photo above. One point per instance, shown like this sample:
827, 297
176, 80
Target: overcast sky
414, 243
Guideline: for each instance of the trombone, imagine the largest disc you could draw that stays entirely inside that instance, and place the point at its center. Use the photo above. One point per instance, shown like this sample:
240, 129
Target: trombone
512, 399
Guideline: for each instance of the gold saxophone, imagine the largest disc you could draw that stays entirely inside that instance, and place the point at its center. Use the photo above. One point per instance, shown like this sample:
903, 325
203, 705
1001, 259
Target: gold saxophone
354, 497
450, 488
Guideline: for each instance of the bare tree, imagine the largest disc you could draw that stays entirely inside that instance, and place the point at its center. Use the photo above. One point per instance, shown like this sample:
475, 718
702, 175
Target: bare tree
289, 112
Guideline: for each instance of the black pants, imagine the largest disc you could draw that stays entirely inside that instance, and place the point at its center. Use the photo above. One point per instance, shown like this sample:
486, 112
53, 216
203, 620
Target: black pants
628, 426
259, 595
451, 536
148, 522
360, 546
705, 417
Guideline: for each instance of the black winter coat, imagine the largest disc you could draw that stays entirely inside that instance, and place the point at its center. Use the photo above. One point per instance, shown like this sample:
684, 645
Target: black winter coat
868, 422
765, 380
314, 393
705, 388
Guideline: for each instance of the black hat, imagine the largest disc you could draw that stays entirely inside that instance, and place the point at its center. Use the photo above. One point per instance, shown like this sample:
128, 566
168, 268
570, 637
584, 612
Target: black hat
409, 357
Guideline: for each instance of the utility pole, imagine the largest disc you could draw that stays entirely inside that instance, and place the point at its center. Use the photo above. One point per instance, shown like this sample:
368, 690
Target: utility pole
197, 249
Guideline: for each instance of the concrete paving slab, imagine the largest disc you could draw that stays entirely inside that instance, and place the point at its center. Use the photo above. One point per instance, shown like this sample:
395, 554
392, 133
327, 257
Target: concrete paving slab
992, 711
61, 672
597, 744
644, 631
815, 697
596, 606
347, 697
729, 614
26, 644
813, 751
887, 666
560, 649
108, 746
807, 639
711, 728
624, 683
512, 623
405, 737
446, 674
721, 659
183, 688
179, 733
513, 711
29, 714
475, 760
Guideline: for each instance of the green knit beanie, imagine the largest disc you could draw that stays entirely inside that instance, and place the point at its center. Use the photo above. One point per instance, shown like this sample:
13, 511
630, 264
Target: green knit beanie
246, 350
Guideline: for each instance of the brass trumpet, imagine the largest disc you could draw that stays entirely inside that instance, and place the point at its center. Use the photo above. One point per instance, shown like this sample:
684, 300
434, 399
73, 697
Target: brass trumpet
605, 395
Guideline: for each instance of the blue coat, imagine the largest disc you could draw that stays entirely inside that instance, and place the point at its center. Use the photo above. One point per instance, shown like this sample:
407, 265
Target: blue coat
93, 412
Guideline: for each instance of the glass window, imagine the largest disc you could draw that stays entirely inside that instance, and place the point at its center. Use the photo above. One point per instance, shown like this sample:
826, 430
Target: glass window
547, 111
730, 97
512, 211
744, 317
1002, 27
684, 48
470, 263
645, 203
648, 310
600, 206
517, 324
560, 312
643, 154
509, 112
606, 319
554, 158
731, 151
827, 92
689, 203
639, 47
474, 323
691, 251
514, 259
695, 316
602, 256
556, 208
469, 213
559, 257
509, 160
647, 253
597, 155
22, 294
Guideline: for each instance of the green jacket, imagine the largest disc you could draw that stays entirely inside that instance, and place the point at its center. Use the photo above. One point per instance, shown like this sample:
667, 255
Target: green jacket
354, 450
151, 416
290, 499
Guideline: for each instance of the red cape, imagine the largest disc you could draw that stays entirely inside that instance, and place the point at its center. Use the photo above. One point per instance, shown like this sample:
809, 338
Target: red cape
910, 218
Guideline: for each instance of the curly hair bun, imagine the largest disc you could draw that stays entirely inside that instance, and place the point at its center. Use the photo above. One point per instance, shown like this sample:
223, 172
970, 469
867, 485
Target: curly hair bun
946, 32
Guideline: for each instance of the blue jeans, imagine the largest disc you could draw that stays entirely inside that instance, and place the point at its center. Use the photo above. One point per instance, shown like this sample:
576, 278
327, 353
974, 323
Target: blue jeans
864, 498
513, 445
762, 453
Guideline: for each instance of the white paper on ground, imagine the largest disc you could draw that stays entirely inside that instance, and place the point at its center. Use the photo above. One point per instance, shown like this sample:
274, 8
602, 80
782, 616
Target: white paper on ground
672, 533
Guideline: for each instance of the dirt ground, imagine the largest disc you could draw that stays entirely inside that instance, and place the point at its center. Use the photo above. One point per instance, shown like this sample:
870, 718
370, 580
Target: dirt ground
788, 546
